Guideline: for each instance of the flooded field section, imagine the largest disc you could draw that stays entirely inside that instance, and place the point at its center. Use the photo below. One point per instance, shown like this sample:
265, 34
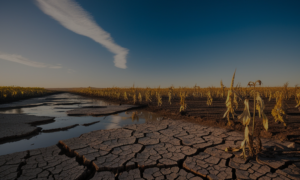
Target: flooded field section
64, 126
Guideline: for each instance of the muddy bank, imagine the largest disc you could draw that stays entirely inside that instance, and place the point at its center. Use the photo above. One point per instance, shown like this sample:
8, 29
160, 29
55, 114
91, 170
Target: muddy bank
98, 111
59, 129
19, 125
14, 126
12, 100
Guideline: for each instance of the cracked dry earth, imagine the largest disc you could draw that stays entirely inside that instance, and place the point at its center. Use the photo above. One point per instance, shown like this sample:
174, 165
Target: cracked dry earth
164, 150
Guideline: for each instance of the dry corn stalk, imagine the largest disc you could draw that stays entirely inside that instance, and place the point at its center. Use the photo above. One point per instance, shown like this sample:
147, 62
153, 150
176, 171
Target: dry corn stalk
245, 116
182, 102
235, 101
279, 111
134, 98
270, 96
125, 96
260, 106
140, 98
170, 94
277, 95
250, 84
15, 93
223, 88
247, 141
118, 94
297, 98
285, 91
159, 99
196, 91
230, 103
148, 96
209, 99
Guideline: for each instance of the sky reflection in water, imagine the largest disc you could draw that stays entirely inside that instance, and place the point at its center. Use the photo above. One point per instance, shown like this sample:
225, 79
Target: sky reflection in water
63, 120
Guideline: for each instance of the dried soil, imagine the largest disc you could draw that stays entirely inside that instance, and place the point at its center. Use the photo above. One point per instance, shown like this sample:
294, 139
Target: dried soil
198, 111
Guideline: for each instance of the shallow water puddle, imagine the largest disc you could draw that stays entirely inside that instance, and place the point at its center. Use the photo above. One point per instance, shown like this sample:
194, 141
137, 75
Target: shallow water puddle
56, 106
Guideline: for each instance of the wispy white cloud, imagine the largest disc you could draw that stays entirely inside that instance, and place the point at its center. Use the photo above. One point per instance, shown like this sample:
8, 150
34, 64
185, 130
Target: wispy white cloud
70, 15
22, 60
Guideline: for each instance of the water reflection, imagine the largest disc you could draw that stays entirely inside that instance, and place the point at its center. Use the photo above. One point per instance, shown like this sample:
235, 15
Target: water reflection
115, 121
50, 108
136, 115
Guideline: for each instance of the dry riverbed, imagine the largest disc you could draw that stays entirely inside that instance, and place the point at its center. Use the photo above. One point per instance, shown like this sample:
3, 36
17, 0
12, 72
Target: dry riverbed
169, 149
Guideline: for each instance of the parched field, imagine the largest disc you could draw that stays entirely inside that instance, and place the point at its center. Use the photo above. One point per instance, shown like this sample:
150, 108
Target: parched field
198, 111
167, 149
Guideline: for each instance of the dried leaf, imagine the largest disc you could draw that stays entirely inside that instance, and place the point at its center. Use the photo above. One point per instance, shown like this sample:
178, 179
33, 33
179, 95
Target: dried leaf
246, 134
265, 121
245, 116
230, 149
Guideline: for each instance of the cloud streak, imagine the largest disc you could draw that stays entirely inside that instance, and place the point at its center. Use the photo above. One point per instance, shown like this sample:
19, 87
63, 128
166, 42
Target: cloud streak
22, 60
70, 15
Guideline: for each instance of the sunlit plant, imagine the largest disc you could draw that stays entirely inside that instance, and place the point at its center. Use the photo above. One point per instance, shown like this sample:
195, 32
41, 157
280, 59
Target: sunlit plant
297, 96
170, 94
279, 111
209, 99
148, 96
140, 98
125, 96
134, 98
270, 95
285, 90
182, 102
159, 99
245, 117
196, 92
222, 88
230, 103
14, 93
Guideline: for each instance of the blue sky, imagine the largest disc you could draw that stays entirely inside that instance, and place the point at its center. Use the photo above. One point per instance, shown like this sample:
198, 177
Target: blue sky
66, 43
